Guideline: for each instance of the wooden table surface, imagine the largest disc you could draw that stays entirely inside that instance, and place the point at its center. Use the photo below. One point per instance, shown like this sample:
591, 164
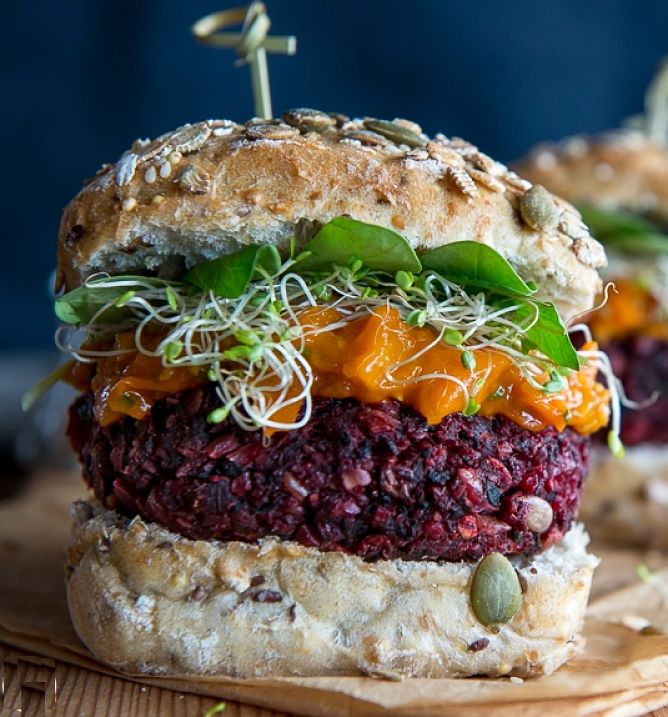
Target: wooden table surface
83, 693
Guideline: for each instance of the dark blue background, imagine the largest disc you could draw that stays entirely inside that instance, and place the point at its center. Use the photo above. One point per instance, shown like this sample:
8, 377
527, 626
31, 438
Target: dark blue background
82, 79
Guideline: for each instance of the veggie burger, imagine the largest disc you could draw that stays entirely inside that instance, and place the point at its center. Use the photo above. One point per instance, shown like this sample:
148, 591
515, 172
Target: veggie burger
329, 411
619, 182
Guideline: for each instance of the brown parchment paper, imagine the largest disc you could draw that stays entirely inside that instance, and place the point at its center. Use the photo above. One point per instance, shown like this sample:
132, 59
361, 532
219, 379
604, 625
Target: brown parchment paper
622, 672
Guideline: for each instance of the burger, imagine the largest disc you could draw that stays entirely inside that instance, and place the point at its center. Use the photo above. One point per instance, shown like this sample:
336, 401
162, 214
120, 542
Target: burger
619, 181
330, 415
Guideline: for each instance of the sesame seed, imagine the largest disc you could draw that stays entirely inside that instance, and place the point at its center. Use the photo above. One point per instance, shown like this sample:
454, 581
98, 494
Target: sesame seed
150, 175
165, 170
158, 199
129, 204
174, 157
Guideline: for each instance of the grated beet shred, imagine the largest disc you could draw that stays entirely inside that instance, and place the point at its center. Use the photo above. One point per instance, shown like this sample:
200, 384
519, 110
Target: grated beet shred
374, 480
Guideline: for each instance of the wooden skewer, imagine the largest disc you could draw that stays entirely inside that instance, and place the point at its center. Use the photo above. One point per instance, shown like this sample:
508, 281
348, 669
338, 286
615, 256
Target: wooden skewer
251, 45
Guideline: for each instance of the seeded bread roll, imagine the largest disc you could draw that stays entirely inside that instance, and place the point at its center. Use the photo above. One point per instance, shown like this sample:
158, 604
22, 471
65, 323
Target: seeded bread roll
147, 600
209, 188
618, 170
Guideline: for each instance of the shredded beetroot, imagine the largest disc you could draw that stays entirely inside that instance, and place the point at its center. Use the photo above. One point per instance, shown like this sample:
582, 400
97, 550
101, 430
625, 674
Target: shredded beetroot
641, 363
374, 480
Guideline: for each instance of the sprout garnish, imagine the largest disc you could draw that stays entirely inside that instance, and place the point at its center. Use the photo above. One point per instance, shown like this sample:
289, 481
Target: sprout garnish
242, 317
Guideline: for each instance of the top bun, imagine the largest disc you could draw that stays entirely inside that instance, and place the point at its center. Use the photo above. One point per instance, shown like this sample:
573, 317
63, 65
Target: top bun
209, 188
618, 170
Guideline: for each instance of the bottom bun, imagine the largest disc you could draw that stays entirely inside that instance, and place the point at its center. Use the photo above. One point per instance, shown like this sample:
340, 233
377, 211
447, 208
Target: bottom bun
626, 499
144, 599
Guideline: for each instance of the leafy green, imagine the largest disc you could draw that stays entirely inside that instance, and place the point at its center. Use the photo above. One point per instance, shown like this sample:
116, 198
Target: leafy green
624, 232
80, 305
548, 334
471, 263
342, 240
348, 243
229, 275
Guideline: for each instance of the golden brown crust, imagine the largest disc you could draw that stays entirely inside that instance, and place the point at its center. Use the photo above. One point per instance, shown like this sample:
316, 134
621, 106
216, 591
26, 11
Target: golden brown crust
208, 188
621, 169
146, 600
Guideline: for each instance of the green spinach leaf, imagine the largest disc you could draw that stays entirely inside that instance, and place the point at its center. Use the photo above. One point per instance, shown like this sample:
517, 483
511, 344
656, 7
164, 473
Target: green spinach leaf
624, 232
471, 263
548, 334
343, 239
81, 304
228, 276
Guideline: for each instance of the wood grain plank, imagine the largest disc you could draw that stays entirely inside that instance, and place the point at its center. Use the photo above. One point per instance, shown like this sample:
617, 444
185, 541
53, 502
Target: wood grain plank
83, 693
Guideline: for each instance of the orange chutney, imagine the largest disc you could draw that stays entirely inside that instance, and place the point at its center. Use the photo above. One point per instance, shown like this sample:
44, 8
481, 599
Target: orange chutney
371, 359
630, 309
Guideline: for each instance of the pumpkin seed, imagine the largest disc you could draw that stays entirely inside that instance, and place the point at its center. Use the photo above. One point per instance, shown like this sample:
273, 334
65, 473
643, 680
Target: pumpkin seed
395, 132
366, 137
538, 208
496, 594
408, 124
309, 119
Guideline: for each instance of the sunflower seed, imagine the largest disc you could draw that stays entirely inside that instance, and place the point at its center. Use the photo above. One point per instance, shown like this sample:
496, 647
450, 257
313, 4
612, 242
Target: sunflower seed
126, 168
496, 594
395, 132
463, 147
516, 182
199, 594
539, 515
487, 180
189, 138
438, 151
538, 209
308, 119
194, 179
482, 161
275, 132
260, 121
339, 118
573, 227
478, 645
418, 154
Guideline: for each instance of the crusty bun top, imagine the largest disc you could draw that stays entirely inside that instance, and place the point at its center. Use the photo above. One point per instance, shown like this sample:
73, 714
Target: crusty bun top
209, 188
617, 170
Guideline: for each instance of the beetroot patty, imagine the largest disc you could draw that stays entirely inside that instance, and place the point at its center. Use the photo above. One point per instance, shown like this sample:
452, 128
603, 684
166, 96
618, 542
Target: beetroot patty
374, 480
641, 363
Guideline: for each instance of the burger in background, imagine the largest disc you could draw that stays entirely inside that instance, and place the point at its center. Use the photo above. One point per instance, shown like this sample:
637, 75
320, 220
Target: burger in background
619, 182
329, 409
